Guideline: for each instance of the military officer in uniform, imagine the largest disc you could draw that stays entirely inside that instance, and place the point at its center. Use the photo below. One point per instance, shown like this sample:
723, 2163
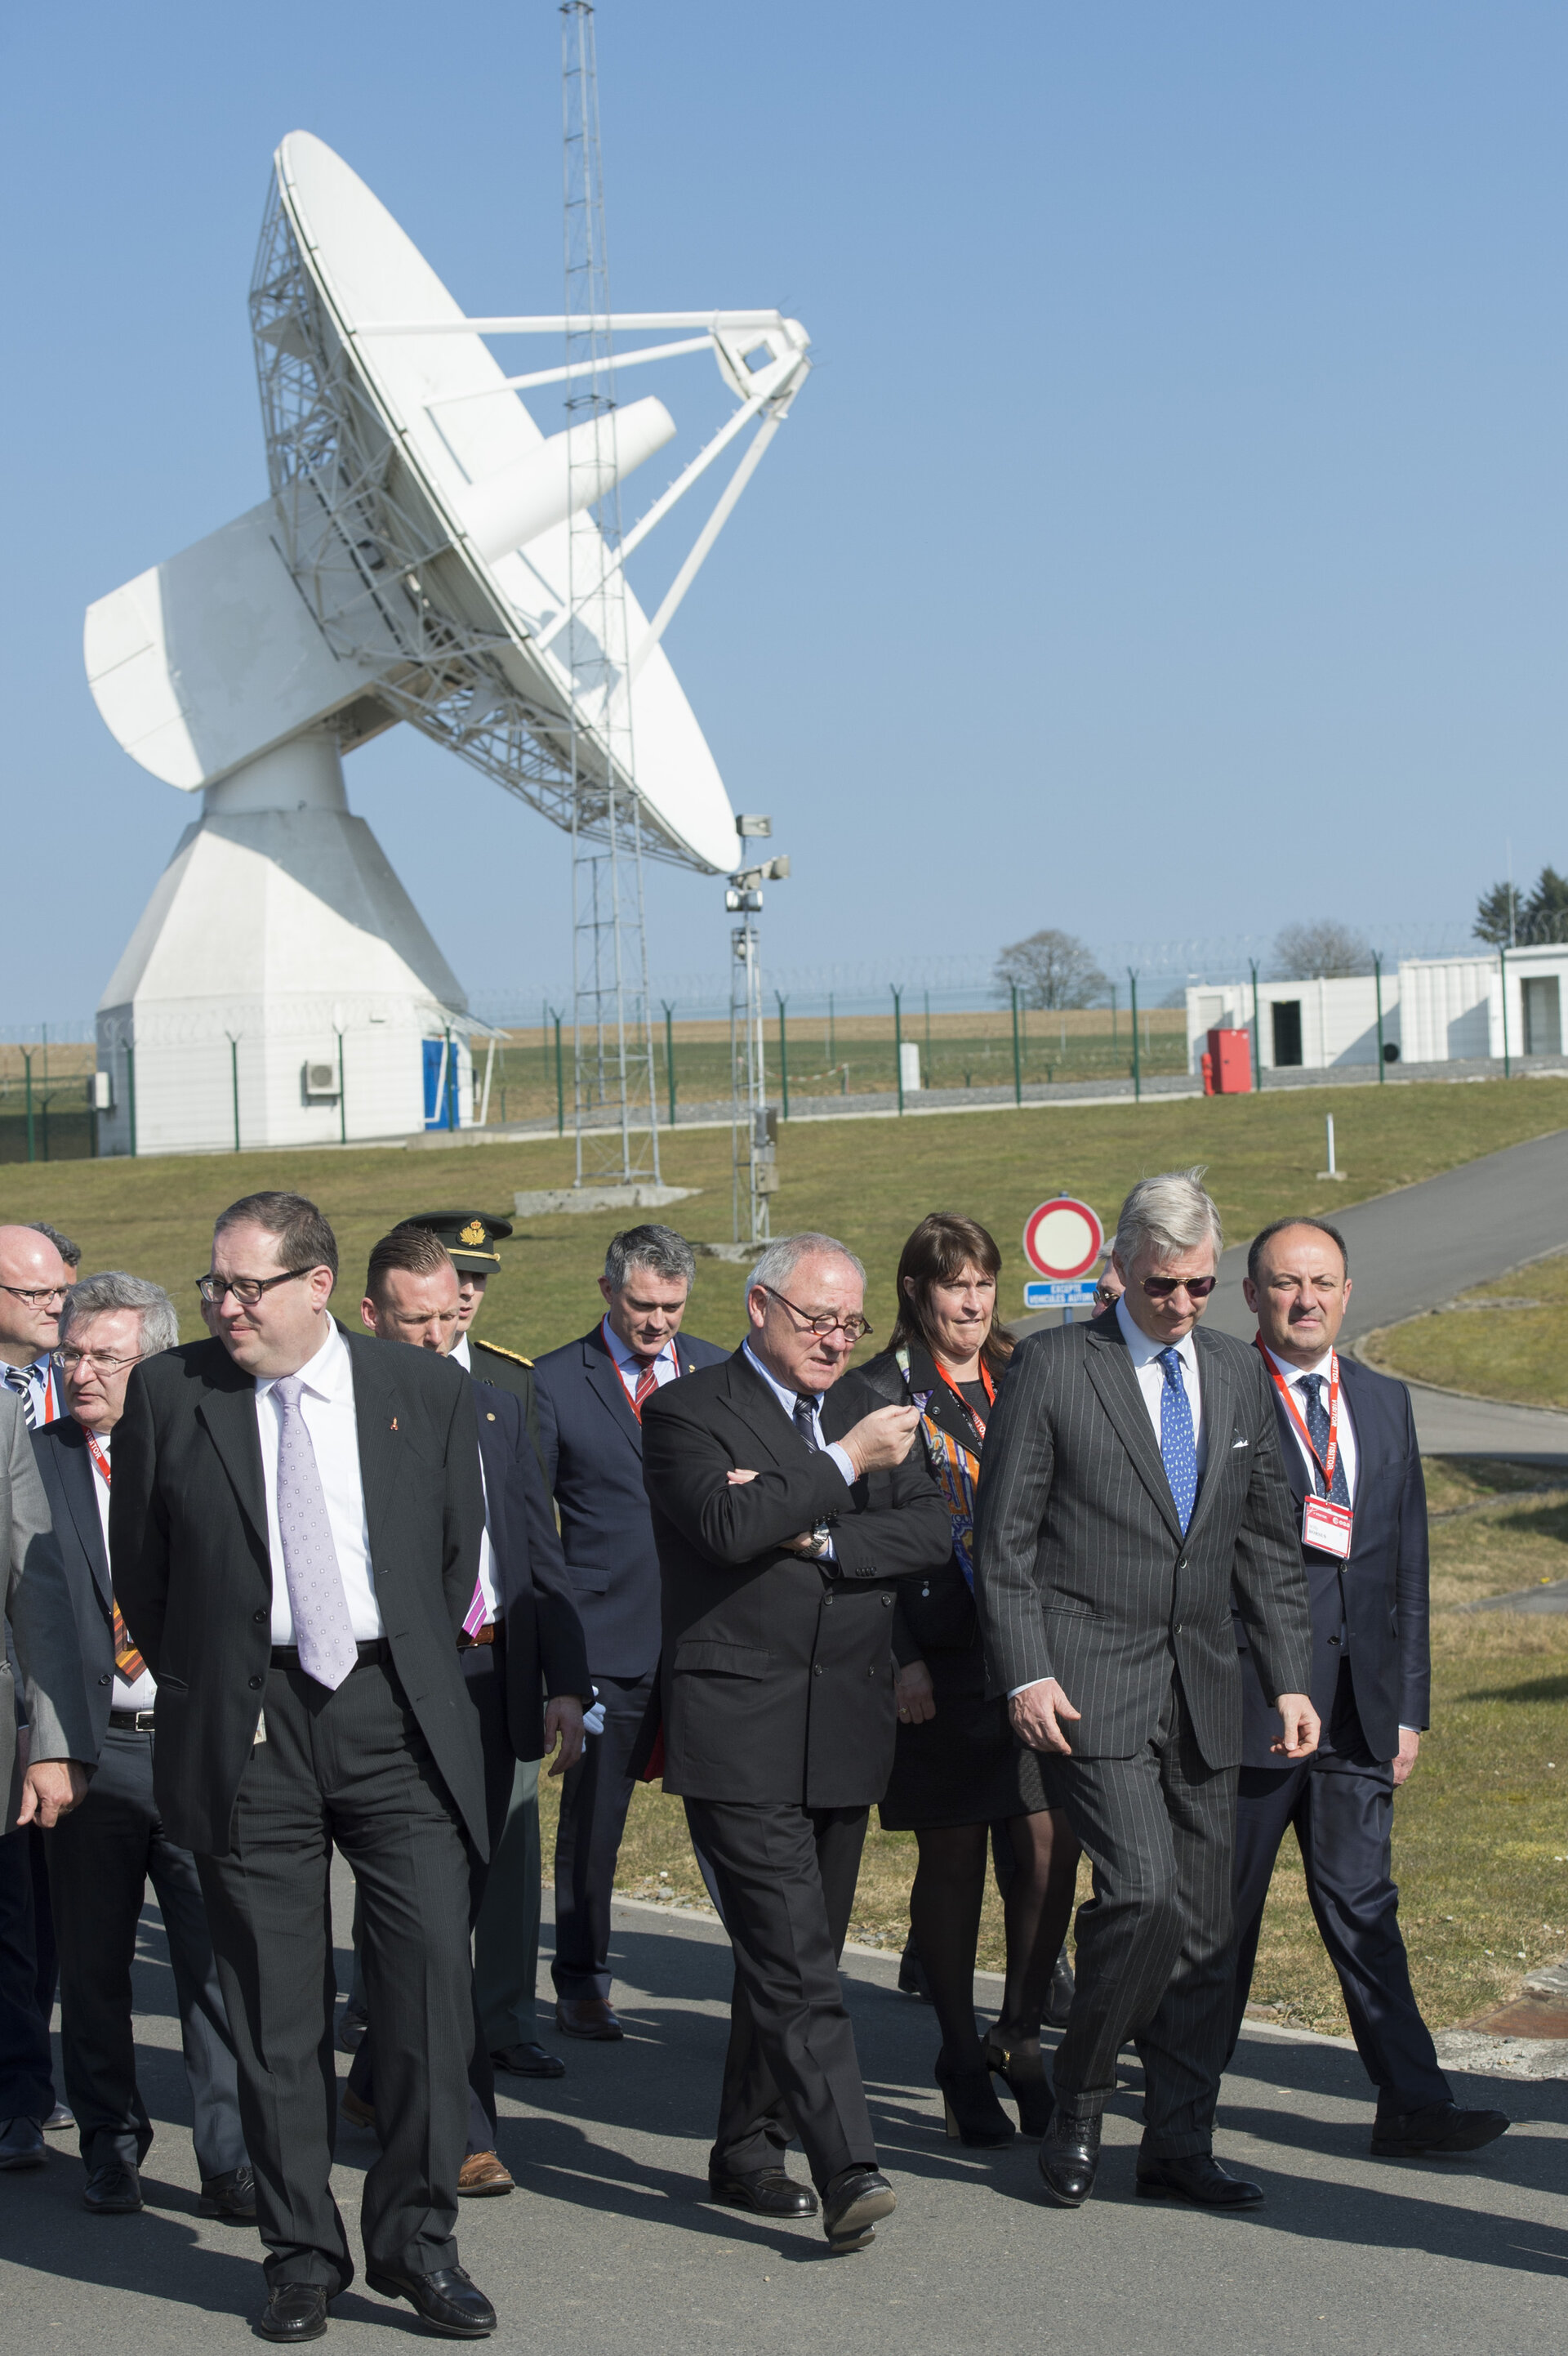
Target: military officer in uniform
506, 1936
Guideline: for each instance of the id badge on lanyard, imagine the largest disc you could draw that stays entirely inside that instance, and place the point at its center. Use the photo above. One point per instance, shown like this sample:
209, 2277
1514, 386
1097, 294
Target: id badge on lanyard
1325, 1527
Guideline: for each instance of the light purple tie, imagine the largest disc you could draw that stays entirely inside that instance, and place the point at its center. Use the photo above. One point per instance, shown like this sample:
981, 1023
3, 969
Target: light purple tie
324, 1634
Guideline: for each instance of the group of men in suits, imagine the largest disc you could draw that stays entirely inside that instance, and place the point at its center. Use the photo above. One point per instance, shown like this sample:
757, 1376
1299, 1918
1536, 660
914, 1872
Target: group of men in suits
285, 1591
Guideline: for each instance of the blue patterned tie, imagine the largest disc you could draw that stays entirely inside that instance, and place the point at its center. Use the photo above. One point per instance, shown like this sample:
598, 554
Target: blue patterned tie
1177, 1444
1311, 1389
805, 1413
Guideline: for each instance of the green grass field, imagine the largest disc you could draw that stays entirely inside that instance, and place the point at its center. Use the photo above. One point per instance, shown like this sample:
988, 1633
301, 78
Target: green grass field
1480, 1834
1503, 1341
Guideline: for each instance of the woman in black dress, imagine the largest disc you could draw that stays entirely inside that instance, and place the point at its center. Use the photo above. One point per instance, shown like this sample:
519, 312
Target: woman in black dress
959, 1769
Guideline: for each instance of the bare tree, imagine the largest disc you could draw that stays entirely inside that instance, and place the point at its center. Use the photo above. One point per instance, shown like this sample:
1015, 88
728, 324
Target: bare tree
1321, 951
1051, 968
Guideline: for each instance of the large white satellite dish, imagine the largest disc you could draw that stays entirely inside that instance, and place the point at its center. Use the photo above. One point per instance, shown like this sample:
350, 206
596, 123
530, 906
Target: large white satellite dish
421, 557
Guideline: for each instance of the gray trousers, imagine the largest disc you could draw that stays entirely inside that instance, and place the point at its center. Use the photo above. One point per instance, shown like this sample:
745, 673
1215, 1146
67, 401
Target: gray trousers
1154, 1958
102, 1858
349, 1770
506, 1936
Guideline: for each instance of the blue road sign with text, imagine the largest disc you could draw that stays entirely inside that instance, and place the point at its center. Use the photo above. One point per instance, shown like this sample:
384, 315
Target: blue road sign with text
1077, 1292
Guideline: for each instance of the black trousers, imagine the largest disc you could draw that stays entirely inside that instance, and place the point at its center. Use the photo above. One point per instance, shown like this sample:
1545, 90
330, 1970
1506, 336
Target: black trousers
594, 1797
349, 1769
485, 1674
1154, 1943
28, 1974
1340, 1804
786, 1883
100, 1860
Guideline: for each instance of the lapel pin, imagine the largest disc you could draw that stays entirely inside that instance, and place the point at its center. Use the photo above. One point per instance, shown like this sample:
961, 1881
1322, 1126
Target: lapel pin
394, 1423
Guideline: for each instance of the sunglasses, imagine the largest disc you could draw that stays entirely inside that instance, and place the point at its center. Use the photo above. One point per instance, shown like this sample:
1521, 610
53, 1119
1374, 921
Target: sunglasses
1197, 1288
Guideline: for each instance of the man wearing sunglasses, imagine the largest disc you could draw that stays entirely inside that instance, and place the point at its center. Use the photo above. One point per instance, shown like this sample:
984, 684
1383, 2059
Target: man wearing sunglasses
1133, 1490
295, 1531
786, 1504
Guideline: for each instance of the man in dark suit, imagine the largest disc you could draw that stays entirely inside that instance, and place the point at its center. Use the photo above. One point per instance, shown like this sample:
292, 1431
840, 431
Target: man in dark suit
593, 1395
521, 1639
294, 1533
506, 1936
1132, 1483
101, 1856
786, 1504
1347, 1439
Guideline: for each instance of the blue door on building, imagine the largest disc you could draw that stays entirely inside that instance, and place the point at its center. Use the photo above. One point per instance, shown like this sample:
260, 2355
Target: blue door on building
440, 1085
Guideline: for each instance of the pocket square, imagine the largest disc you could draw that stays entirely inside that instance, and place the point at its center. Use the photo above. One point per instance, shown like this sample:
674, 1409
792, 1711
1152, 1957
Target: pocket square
1241, 1443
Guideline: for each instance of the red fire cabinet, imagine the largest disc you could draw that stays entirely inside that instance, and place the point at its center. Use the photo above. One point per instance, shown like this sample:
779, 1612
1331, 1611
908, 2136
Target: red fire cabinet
1228, 1064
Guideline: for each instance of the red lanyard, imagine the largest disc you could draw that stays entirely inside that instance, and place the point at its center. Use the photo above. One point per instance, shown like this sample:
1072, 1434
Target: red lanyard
977, 1420
1287, 1393
651, 1364
99, 1461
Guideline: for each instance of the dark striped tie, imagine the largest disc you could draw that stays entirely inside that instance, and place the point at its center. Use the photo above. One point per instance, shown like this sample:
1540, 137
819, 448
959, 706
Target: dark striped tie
20, 1380
805, 1419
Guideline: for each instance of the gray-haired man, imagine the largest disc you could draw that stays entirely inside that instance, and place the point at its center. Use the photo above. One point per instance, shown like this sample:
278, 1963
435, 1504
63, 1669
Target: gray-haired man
591, 1399
102, 1858
1133, 1488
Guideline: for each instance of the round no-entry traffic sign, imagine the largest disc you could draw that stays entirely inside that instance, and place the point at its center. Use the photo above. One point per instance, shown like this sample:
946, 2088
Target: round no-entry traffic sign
1064, 1237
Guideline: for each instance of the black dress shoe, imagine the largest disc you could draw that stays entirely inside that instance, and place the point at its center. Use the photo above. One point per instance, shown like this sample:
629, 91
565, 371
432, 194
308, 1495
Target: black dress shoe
447, 2300
1198, 2175
770, 2191
588, 2016
294, 2310
112, 2190
1440, 2130
22, 2144
59, 2119
1070, 2160
851, 2204
230, 2196
528, 2062
1058, 1997
351, 2029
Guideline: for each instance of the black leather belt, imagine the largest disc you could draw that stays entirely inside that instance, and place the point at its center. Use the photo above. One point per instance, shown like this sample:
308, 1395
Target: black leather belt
375, 1648
131, 1721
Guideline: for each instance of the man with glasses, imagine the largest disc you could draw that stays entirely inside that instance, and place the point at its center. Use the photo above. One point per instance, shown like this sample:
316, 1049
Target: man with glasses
1133, 1491
786, 1505
294, 1532
101, 1856
33, 1282
592, 1397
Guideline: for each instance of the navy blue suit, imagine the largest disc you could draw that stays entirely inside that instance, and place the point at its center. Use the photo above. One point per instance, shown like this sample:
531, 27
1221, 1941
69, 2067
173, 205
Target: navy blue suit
593, 1459
101, 1859
1371, 1674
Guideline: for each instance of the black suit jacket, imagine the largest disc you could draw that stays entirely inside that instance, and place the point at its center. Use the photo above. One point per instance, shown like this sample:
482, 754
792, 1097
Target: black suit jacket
544, 1653
71, 1486
594, 1462
1384, 1579
778, 1673
1082, 1569
188, 1530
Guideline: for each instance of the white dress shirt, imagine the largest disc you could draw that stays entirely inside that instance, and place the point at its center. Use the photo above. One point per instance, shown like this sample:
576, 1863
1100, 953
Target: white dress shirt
458, 1354
1296, 1376
143, 1693
1145, 1355
489, 1585
327, 1404
631, 1367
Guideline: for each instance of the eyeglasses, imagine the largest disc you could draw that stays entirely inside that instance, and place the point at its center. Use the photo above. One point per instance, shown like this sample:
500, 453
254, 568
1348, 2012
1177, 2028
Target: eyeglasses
247, 1289
1104, 1297
852, 1327
100, 1361
35, 1294
1197, 1288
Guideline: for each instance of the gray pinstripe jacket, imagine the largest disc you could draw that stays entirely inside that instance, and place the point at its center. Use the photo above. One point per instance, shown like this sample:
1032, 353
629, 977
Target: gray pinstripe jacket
1081, 1572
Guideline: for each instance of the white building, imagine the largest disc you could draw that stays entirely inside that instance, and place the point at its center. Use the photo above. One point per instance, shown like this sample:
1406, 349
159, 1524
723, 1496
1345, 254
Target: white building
1434, 1011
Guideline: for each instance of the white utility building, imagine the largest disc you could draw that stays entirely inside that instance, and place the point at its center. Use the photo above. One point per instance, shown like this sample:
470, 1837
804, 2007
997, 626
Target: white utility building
1434, 1011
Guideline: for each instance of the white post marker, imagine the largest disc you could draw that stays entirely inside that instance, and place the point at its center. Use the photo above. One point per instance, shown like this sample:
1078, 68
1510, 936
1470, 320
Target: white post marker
1063, 1239
1336, 1175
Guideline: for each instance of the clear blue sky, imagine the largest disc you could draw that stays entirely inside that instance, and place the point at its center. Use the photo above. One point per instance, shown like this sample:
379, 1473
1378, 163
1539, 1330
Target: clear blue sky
1171, 541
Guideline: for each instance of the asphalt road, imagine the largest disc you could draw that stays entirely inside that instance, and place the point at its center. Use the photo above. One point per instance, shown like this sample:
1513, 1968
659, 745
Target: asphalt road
610, 2246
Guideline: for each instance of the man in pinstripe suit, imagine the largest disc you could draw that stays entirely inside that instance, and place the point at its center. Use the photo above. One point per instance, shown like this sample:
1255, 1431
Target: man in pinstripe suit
1132, 1492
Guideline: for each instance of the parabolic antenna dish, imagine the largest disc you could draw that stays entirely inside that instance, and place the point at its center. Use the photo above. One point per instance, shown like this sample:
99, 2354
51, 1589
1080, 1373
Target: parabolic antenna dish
424, 513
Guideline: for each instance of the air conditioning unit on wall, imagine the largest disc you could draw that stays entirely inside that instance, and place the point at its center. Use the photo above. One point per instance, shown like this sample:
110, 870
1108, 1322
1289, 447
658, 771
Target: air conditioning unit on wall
320, 1082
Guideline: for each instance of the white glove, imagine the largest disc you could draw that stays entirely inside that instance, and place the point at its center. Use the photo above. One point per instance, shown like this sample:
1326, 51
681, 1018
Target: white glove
593, 1718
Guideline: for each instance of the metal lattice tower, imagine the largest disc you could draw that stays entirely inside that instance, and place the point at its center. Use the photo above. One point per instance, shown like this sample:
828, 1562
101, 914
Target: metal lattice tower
613, 1098
753, 1122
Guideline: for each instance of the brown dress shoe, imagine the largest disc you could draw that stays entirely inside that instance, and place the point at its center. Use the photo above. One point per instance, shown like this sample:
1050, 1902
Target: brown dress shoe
587, 2015
483, 2172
